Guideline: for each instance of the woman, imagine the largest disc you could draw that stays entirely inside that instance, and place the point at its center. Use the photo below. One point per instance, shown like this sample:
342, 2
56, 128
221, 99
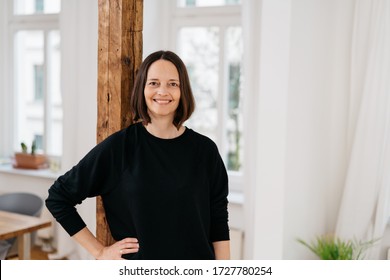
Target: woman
164, 186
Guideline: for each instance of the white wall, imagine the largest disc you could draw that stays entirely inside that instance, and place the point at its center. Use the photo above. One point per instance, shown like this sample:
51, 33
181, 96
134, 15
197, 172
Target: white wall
300, 132
318, 91
267, 127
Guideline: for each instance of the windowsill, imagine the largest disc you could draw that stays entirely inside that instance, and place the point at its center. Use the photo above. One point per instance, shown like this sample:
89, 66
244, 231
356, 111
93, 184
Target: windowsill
38, 173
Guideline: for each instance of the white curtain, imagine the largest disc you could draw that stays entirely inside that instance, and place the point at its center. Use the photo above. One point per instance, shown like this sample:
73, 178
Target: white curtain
365, 206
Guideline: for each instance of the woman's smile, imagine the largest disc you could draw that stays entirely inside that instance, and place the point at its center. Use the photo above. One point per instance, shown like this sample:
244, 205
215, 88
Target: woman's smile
162, 101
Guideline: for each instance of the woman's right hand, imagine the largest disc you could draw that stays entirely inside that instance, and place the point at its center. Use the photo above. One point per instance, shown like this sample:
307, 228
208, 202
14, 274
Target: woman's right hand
115, 251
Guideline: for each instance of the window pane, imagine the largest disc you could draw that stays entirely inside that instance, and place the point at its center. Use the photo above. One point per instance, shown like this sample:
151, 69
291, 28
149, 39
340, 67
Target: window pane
28, 7
199, 49
234, 125
38, 114
206, 3
29, 60
38, 82
54, 110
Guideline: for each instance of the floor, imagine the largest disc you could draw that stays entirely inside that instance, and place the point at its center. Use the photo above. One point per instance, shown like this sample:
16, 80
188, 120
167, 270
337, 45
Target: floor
36, 254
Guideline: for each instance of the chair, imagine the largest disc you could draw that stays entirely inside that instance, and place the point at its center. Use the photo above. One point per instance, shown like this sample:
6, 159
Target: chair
21, 203
4, 248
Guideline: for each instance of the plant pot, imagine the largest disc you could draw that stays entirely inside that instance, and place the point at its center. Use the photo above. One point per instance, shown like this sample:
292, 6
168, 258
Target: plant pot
28, 161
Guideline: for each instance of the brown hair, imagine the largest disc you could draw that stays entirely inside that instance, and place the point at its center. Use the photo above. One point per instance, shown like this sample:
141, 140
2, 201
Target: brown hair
137, 100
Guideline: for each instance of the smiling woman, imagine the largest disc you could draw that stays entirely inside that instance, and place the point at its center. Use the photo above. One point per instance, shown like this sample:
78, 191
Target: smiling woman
164, 186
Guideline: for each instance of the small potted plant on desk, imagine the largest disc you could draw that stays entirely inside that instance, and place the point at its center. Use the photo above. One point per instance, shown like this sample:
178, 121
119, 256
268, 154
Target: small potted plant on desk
30, 160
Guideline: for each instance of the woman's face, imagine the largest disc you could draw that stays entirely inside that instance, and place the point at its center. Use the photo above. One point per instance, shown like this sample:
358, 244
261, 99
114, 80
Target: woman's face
162, 89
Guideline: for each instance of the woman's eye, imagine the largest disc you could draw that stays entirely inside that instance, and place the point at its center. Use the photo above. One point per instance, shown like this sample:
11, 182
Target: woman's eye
153, 84
174, 84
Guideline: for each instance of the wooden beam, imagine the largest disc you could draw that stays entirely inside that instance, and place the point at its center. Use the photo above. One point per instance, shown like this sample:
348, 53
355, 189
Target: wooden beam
119, 57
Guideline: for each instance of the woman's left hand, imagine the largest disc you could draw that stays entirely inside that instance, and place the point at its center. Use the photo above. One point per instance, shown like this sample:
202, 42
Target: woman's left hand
115, 251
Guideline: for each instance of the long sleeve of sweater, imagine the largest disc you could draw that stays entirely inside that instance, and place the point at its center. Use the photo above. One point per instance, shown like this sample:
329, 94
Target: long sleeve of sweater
94, 175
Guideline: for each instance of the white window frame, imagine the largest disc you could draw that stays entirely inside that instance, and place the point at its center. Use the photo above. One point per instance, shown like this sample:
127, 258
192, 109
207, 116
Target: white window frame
40, 22
221, 17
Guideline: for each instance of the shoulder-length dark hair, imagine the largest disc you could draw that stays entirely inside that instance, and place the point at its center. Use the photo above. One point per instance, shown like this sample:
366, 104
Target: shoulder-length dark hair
137, 100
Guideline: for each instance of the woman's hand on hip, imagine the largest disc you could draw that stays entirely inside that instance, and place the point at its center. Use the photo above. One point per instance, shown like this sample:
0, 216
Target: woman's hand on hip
116, 250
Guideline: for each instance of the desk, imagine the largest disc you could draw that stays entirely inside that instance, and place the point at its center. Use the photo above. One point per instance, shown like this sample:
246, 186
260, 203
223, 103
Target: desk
20, 226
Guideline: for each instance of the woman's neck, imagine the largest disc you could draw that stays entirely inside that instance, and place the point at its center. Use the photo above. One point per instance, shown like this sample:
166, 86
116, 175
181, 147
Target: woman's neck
164, 129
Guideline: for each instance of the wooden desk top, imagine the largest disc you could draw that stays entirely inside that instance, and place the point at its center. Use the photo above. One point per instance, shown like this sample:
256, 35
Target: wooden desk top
13, 225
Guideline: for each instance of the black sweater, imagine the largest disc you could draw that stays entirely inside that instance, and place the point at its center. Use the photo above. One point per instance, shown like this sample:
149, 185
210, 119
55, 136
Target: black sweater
171, 194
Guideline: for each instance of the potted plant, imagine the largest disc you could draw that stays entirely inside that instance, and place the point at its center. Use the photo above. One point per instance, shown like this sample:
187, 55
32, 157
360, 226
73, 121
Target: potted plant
329, 247
30, 160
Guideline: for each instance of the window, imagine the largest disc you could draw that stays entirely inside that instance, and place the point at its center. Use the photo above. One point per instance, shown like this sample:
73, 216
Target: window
35, 60
29, 7
208, 37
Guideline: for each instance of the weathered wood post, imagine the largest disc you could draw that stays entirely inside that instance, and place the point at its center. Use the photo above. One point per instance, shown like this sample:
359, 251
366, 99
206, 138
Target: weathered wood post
119, 56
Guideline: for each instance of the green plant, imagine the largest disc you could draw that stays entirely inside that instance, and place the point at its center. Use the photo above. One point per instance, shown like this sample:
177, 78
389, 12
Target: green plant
33, 147
25, 148
329, 247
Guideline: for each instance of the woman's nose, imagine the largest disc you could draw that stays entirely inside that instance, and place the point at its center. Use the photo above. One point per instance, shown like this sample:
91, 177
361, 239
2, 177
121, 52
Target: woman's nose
162, 90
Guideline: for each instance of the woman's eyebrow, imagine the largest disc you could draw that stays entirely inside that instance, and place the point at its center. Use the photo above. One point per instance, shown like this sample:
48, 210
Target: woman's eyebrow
155, 79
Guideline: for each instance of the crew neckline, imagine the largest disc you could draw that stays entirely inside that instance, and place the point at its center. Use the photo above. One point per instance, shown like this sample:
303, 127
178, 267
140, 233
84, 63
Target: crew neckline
150, 135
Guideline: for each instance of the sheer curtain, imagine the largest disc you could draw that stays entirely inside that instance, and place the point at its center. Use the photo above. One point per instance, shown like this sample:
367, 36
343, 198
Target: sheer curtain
365, 206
